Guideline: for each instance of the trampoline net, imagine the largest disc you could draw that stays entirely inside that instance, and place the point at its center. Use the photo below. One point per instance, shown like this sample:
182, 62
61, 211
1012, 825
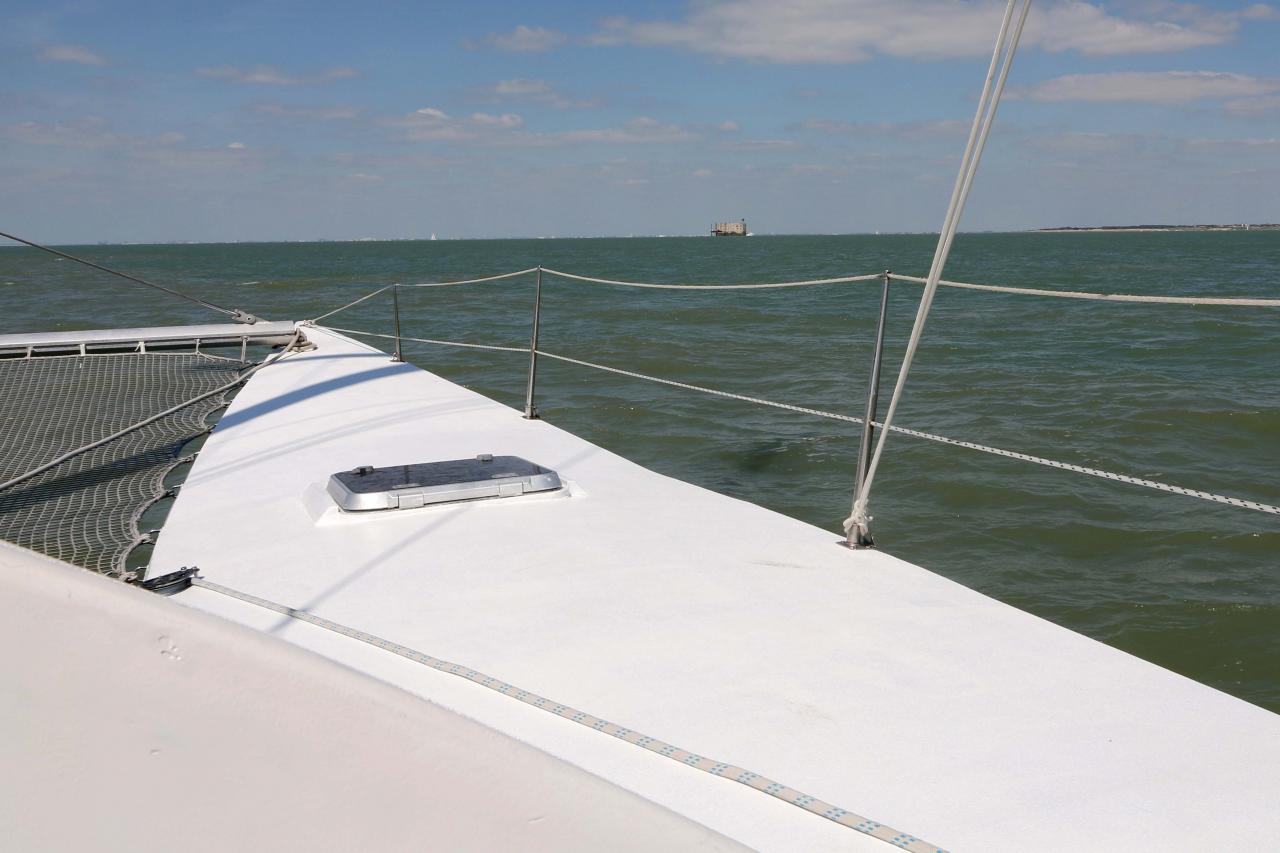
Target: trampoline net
86, 510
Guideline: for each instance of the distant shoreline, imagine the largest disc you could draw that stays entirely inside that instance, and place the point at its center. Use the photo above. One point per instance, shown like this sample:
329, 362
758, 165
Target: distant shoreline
1091, 229
1268, 226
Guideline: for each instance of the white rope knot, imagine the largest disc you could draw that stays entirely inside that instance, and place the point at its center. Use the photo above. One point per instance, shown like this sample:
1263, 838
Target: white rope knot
858, 520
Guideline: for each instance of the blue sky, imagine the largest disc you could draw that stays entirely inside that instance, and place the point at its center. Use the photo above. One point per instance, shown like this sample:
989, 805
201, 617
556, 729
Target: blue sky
148, 121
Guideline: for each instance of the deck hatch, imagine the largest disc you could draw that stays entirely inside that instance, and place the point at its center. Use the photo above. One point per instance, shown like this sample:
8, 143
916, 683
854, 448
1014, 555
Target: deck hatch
366, 488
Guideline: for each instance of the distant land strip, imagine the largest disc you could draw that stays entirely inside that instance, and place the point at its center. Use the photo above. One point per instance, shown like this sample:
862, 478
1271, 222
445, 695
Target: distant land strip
1265, 226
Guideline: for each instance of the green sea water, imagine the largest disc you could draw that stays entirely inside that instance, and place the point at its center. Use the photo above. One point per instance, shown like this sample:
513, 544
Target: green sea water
1185, 395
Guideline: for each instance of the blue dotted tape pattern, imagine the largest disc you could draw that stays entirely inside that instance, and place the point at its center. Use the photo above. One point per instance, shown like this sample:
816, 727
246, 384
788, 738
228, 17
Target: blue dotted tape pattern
746, 777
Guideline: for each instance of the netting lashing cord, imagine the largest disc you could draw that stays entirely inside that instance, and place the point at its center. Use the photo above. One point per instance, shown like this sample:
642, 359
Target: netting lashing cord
158, 493
722, 769
234, 313
71, 454
1227, 500
857, 524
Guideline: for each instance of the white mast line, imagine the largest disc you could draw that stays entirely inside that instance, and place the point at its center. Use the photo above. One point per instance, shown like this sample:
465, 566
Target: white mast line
1001, 56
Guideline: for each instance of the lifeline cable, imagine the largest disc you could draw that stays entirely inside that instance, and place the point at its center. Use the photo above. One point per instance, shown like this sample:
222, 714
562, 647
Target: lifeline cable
1101, 297
1228, 500
1249, 301
760, 286
498, 277
996, 451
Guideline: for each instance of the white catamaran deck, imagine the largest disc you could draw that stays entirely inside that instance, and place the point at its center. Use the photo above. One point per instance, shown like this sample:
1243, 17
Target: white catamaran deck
707, 622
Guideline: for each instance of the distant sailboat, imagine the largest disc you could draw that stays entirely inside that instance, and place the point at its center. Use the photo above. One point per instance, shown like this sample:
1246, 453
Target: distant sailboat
433, 235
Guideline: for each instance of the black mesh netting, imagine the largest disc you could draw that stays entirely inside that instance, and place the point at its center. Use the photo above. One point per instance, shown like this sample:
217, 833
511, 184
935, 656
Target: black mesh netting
85, 510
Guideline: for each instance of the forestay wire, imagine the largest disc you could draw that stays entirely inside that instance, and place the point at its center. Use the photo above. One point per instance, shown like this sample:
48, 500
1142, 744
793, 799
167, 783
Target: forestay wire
856, 526
234, 313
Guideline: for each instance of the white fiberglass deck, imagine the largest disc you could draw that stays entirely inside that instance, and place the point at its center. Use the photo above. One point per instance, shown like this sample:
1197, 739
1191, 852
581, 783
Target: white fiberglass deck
707, 622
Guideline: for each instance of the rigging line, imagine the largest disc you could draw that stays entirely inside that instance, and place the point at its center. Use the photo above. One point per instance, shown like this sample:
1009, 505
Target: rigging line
853, 419
721, 769
21, 478
983, 119
353, 303
1106, 297
234, 313
423, 340
995, 451
763, 286
473, 280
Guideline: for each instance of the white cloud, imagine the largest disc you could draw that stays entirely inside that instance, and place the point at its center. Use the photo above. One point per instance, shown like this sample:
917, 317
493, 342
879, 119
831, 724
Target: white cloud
504, 120
335, 113
837, 31
87, 132
1247, 107
519, 88
1159, 87
524, 39
507, 129
642, 130
1260, 12
269, 75
756, 145
1086, 145
1268, 146
71, 53
535, 91
940, 129
431, 124
95, 133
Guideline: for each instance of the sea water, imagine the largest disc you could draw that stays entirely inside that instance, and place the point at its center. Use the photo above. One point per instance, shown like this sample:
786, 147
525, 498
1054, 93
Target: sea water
1185, 395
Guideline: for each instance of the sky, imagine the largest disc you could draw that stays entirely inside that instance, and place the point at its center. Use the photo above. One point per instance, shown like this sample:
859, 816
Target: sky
160, 121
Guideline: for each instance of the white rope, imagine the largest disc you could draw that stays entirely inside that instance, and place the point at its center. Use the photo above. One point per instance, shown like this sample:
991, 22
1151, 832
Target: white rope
473, 280
1106, 297
996, 451
722, 769
425, 340
1029, 291
853, 419
353, 304
297, 334
856, 524
1095, 472
701, 389
763, 286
